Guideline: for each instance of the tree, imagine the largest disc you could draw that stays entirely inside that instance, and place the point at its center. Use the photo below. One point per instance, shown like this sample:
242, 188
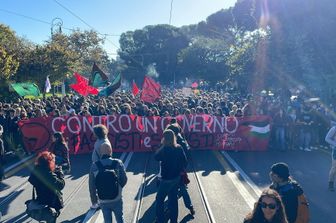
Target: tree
157, 45
204, 58
9, 43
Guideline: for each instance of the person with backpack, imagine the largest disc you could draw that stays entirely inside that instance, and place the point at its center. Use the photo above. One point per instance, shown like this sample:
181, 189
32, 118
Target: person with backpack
101, 133
293, 198
108, 177
172, 162
269, 209
331, 139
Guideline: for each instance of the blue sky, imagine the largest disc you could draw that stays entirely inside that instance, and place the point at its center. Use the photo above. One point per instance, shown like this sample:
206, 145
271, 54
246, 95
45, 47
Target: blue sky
105, 16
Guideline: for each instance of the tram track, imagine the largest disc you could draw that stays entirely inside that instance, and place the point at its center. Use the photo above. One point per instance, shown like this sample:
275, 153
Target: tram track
204, 199
67, 200
125, 157
140, 195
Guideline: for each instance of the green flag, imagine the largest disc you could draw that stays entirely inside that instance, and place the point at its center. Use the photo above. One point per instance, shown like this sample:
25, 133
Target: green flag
24, 89
112, 87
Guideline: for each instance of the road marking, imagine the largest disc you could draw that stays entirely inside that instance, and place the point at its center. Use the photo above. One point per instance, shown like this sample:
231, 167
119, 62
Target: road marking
248, 180
249, 199
205, 201
91, 212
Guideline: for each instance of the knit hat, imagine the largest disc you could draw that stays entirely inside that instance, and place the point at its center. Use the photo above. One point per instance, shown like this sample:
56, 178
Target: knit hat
281, 169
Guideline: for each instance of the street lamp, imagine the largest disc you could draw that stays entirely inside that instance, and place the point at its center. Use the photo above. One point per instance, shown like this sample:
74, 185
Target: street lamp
58, 23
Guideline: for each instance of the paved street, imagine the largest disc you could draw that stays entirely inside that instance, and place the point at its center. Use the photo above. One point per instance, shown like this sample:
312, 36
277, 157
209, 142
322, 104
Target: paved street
223, 188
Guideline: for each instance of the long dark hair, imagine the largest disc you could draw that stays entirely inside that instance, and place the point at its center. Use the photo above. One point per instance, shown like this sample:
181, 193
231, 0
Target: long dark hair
257, 214
59, 139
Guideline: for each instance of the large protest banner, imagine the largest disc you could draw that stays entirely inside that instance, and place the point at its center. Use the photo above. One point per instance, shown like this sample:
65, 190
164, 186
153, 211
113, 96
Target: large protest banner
141, 134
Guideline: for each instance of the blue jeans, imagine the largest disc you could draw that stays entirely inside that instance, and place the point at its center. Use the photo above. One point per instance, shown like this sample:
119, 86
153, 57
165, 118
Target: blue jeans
115, 207
167, 188
305, 138
280, 137
185, 195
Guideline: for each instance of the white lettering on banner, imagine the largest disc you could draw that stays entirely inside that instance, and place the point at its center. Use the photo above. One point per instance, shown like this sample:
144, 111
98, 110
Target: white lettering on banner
153, 125
163, 119
128, 123
53, 123
196, 124
236, 127
187, 123
79, 127
94, 120
146, 142
137, 124
109, 122
221, 125
86, 123
208, 123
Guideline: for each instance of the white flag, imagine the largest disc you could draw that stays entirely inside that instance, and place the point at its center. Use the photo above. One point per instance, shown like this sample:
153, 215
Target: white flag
186, 91
47, 85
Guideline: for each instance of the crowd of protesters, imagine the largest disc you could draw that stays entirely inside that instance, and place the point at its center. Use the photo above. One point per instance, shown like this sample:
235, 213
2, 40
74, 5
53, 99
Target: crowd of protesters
297, 124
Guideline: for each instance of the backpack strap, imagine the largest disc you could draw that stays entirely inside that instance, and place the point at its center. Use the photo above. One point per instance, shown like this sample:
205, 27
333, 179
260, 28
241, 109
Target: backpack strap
33, 193
99, 165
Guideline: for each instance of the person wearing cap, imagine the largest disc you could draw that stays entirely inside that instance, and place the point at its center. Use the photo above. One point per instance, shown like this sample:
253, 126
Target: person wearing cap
290, 191
331, 139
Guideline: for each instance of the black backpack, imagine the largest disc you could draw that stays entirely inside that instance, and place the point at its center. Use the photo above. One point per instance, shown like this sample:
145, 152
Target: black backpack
106, 181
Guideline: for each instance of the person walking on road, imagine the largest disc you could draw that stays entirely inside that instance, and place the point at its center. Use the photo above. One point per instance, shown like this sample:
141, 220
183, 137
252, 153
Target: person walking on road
183, 188
173, 162
60, 149
331, 139
108, 177
268, 209
293, 198
101, 133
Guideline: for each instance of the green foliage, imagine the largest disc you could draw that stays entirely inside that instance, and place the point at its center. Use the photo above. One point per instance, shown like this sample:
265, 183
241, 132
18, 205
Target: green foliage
157, 45
8, 64
9, 43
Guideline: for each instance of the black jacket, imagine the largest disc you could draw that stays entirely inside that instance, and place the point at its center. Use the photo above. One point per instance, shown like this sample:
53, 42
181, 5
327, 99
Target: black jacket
48, 187
289, 194
173, 161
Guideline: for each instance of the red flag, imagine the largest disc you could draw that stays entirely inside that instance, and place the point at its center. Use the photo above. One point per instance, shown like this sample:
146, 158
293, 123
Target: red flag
135, 89
194, 85
82, 86
150, 90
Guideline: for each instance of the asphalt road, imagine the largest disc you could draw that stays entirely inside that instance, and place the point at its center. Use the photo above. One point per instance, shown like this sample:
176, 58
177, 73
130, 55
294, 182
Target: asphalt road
218, 191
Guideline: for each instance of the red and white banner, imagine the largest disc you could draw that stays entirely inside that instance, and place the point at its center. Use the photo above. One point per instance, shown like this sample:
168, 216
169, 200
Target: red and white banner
141, 134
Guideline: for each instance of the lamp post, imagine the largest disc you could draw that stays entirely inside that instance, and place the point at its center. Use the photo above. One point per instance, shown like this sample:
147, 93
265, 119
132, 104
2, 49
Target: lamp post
58, 23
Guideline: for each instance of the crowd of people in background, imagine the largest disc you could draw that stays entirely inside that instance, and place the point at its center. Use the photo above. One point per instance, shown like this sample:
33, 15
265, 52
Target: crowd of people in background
296, 124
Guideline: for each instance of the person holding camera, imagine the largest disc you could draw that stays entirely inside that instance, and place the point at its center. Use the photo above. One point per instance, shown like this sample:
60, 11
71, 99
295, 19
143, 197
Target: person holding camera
48, 182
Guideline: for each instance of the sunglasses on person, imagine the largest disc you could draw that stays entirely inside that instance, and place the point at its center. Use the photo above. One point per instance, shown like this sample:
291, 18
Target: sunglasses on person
270, 206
